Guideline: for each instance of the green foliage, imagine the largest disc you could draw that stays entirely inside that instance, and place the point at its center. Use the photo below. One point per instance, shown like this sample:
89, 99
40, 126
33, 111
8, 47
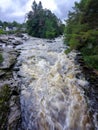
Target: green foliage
50, 31
73, 43
92, 61
1, 58
1, 32
81, 31
67, 51
43, 23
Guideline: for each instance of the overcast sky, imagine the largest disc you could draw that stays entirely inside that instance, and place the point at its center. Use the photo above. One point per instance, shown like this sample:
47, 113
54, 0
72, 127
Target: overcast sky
11, 10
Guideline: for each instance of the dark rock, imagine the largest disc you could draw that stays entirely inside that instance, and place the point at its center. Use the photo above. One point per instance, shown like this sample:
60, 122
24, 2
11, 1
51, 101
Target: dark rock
10, 115
3, 40
50, 41
14, 116
2, 73
16, 69
4, 105
19, 35
14, 92
11, 38
9, 56
17, 42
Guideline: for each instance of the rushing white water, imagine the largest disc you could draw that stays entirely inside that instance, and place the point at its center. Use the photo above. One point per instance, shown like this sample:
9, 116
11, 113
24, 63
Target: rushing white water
51, 96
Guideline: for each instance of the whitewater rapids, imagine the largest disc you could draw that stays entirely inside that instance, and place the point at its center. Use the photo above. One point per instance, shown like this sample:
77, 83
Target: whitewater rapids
51, 97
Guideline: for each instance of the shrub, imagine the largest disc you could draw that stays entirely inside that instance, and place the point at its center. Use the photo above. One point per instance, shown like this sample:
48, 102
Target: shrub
92, 61
74, 43
1, 31
67, 51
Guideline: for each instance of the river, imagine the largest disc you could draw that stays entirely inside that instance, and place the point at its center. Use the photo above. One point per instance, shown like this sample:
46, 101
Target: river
51, 96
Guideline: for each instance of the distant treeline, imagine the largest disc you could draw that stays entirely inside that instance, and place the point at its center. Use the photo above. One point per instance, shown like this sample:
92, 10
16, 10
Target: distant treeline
9, 24
11, 27
81, 30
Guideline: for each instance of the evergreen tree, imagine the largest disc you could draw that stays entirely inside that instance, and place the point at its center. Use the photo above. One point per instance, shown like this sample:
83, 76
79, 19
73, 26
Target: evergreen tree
81, 30
42, 22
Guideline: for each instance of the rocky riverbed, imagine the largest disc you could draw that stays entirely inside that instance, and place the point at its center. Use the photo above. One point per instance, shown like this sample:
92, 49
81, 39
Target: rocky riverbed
10, 115
41, 88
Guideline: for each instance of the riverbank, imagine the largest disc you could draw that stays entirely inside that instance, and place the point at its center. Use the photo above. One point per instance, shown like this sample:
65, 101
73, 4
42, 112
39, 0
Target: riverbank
91, 92
10, 113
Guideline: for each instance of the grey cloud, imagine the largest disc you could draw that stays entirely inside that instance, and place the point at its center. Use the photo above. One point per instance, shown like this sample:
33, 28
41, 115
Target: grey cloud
6, 14
64, 6
20, 3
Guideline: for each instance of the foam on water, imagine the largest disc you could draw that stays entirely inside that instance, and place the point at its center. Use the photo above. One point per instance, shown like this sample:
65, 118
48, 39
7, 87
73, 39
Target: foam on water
51, 96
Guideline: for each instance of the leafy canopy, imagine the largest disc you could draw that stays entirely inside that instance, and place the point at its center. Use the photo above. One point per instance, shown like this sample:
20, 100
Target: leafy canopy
81, 31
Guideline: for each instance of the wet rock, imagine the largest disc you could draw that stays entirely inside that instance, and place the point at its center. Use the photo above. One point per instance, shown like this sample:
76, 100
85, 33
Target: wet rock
14, 92
3, 40
11, 38
22, 36
16, 69
14, 116
4, 105
17, 42
50, 41
2, 73
9, 105
9, 87
9, 56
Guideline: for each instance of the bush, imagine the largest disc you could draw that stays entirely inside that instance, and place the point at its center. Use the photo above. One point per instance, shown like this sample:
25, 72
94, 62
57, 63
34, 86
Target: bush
92, 61
50, 34
67, 51
1, 31
74, 43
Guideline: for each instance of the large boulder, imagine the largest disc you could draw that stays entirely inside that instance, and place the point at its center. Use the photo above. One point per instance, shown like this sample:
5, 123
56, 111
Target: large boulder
9, 58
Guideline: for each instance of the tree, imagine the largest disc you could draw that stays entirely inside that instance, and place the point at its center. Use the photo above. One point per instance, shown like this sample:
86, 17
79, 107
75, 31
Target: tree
34, 7
42, 22
40, 7
81, 30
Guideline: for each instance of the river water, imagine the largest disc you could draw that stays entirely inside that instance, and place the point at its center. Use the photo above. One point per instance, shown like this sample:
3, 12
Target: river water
51, 97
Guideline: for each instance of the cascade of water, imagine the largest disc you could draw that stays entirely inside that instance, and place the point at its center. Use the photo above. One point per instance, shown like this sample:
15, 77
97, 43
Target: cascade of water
51, 96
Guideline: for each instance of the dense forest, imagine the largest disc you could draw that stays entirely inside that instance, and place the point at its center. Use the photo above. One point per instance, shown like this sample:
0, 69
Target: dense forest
11, 24
81, 30
43, 23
